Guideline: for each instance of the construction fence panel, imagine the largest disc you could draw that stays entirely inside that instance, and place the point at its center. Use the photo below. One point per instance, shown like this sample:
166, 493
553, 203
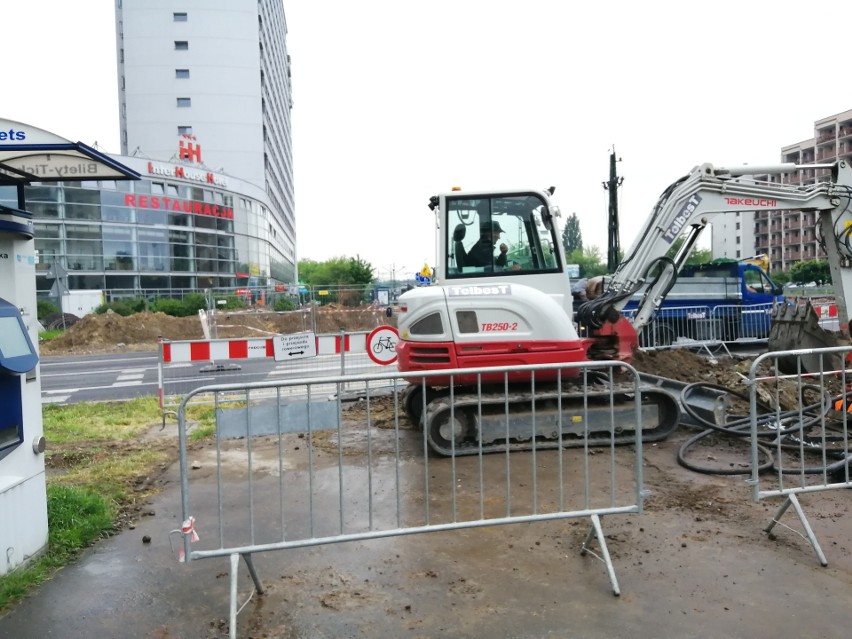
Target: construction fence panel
296, 465
738, 323
704, 326
188, 364
675, 327
800, 420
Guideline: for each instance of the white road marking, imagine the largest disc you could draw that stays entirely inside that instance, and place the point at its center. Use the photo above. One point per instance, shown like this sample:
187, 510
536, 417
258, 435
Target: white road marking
130, 376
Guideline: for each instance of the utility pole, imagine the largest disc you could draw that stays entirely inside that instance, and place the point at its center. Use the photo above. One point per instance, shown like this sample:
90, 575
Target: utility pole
613, 246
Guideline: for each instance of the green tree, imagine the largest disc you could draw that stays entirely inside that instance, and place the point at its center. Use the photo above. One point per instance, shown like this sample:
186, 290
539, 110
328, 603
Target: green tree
697, 256
572, 237
338, 271
590, 261
811, 271
780, 277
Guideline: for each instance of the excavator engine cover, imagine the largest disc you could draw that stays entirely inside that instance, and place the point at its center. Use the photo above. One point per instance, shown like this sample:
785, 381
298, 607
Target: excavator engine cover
795, 326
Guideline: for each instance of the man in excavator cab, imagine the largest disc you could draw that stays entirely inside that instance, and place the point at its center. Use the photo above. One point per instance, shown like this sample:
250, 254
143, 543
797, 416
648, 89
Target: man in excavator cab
482, 253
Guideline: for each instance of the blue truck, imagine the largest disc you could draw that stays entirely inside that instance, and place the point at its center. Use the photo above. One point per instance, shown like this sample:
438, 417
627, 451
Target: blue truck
723, 300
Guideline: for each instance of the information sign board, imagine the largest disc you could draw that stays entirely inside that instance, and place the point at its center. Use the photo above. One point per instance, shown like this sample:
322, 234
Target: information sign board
294, 346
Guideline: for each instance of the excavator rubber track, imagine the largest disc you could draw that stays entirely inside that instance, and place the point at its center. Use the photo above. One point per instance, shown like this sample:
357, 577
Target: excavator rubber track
465, 423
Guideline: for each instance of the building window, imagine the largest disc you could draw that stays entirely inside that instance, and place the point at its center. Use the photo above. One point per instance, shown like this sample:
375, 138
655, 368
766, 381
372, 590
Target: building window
184, 130
184, 102
181, 45
182, 74
179, 17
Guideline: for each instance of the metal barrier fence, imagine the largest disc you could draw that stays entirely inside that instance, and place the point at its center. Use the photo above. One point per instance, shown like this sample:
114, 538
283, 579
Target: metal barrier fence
299, 469
800, 428
184, 365
705, 326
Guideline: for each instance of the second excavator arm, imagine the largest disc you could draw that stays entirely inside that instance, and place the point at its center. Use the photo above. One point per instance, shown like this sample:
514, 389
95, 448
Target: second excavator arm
690, 203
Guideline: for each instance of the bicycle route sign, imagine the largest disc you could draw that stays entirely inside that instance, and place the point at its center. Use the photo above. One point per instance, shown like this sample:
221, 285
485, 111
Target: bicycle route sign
294, 346
381, 345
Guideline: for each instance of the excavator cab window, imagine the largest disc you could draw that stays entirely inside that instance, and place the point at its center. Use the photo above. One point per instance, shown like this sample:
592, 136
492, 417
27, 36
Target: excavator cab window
505, 234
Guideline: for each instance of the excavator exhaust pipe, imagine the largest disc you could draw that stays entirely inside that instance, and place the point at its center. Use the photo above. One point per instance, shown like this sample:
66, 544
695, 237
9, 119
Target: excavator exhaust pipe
794, 326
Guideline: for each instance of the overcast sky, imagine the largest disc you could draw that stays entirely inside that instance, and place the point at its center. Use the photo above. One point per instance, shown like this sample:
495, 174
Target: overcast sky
395, 101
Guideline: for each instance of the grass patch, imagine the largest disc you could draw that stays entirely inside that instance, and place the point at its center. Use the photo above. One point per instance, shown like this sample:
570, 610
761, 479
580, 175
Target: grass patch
100, 460
204, 417
46, 336
99, 421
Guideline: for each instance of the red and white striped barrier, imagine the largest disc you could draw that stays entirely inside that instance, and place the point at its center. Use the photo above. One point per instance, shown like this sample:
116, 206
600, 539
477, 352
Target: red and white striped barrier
219, 350
826, 311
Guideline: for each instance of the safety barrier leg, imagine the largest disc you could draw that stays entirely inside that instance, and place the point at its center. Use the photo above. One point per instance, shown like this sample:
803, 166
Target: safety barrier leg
794, 501
235, 563
596, 530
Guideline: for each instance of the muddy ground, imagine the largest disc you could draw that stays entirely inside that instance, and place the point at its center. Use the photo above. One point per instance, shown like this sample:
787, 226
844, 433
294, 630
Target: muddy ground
695, 563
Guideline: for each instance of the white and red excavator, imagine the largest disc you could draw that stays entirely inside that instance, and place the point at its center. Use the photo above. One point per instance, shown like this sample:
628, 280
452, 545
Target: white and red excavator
503, 298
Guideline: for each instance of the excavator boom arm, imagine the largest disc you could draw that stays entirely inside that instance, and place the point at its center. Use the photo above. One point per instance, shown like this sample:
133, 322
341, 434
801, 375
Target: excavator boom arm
689, 204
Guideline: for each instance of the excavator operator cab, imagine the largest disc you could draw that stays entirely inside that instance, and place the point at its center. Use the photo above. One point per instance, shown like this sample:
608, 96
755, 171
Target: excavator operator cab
500, 234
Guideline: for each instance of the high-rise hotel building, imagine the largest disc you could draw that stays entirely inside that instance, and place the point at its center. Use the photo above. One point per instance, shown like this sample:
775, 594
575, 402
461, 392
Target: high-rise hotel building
204, 93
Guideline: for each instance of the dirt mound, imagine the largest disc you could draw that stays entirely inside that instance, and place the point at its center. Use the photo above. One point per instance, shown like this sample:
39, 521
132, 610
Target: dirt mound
111, 332
320, 321
688, 366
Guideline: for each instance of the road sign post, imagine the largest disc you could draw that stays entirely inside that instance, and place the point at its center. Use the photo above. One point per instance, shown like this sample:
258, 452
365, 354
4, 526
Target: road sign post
381, 345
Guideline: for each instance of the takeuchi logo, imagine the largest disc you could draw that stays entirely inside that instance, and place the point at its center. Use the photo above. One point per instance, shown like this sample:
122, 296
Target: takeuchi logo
748, 201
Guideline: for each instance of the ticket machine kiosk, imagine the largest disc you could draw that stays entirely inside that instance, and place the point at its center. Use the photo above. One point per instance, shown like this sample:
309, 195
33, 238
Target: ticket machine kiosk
27, 155
23, 527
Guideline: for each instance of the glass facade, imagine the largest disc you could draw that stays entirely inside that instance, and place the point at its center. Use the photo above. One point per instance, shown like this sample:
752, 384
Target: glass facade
154, 237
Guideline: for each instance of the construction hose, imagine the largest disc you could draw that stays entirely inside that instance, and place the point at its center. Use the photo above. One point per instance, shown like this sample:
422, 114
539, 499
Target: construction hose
740, 429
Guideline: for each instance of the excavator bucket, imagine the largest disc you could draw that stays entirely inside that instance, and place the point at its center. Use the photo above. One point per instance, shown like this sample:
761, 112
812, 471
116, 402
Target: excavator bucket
795, 325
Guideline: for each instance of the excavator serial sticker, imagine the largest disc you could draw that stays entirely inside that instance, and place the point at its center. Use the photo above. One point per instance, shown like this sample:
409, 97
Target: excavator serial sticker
499, 326
467, 291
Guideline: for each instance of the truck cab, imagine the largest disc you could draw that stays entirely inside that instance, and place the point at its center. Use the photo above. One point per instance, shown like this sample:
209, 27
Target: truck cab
724, 299
753, 283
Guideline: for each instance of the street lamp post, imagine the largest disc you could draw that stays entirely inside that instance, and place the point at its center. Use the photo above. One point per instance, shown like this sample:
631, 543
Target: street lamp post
393, 279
